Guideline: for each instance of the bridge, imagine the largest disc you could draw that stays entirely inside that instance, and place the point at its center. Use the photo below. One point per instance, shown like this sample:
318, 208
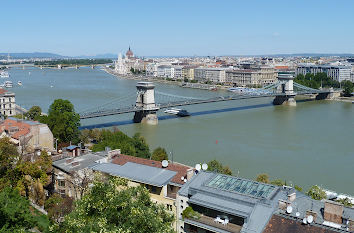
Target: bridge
145, 108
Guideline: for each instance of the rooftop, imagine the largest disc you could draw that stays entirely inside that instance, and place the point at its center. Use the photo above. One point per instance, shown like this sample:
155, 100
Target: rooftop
137, 172
71, 164
180, 169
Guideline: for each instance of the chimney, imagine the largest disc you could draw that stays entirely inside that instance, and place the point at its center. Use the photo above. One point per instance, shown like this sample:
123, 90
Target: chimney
333, 212
292, 196
190, 173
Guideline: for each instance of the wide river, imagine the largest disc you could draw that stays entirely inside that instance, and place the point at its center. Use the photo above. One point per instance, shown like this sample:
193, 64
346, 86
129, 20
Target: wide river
312, 143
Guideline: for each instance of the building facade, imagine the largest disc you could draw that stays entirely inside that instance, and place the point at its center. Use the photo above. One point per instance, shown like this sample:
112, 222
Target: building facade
337, 73
214, 75
7, 103
188, 72
251, 77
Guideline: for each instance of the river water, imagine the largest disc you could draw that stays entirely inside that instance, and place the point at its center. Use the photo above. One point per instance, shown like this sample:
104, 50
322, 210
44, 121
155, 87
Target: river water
312, 143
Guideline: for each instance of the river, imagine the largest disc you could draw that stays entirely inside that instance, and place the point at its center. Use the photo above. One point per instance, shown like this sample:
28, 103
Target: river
312, 143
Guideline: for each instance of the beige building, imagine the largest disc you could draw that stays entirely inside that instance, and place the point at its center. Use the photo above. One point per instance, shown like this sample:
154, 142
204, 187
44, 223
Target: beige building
163, 182
251, 77
27, 135
188, 72
214, 75
7, 103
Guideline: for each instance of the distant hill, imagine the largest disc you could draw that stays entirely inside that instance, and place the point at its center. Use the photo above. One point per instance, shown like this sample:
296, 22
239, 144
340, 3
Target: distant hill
105, 55
31, 55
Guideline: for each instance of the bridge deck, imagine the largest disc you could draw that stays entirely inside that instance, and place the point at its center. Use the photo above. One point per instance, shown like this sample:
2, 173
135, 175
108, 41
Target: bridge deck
118, 111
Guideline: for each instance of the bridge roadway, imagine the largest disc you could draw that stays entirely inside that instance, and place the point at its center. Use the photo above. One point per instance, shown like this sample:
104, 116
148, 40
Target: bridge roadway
131, 109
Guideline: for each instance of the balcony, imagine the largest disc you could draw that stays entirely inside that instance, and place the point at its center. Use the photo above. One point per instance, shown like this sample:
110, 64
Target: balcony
205, 220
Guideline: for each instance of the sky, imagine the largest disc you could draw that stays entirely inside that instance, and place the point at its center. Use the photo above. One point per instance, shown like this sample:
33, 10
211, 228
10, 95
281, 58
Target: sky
177, 28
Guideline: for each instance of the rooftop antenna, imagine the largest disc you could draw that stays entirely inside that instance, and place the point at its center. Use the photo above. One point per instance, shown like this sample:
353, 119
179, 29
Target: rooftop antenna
310, 219
204, 166
289, 209
198, 167
164, 163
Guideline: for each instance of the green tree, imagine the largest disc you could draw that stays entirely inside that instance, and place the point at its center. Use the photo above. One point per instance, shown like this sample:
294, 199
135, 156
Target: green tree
63, 121
264, 178
159, 154
346, 202
218, 167
278, 182
142, 148
57, 207
34, 113
15, 214
113, 207
348, 88
8, 157
316, 193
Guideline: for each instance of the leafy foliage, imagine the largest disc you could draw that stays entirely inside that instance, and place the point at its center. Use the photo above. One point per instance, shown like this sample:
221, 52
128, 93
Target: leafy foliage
113, 207
15, 214
348, 88
34, 113
190, 213
218, 167
316, 193
57, 207
315, 81
159, 154
264, 178
135, 146
346, 202
63, 121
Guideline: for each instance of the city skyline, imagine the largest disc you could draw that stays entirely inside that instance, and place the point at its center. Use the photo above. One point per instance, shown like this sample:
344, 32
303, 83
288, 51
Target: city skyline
177, 29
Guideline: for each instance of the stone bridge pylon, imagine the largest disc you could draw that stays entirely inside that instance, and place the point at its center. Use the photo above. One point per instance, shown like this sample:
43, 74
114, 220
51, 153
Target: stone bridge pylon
286, 90
145, 103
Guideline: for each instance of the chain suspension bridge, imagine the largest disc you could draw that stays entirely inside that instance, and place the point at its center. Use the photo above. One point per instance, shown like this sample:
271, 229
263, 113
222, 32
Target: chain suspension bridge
145, 106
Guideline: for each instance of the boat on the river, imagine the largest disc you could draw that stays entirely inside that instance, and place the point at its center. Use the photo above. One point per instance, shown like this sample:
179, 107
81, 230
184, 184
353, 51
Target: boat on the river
4, 74
177, 111
8, 84
19, 83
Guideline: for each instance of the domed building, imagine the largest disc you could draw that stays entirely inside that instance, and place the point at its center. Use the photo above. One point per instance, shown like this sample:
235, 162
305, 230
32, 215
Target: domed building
129, 54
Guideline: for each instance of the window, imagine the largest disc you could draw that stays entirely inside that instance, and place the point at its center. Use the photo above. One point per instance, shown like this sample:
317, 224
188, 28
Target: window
62, 193
61, 183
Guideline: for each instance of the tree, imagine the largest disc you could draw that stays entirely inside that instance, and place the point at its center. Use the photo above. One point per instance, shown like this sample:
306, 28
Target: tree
63, 121
114, 207
316, 193
218, 167
264, 178
346, 202
159, 154
348, 87
142, 148
57, 207
34, 113
15, 214
8, 157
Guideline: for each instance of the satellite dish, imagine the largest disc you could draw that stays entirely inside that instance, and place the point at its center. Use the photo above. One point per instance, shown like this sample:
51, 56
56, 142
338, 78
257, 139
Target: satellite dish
49, 153
304, 221
310, 219
185, 180
289, 209
164, 163
205, 166
182, 177
297, 214
198, 167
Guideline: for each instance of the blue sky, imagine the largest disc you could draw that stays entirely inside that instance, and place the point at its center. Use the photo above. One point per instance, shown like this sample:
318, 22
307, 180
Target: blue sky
177, 28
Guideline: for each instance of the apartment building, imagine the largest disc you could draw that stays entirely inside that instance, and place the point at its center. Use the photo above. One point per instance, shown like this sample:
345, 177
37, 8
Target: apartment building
188, 72
215, 75
27, 135
338, 73
163, 182
251, 77
7, 103
212, 202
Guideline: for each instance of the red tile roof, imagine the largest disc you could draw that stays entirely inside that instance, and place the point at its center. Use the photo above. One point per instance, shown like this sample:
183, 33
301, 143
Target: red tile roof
278, 224
2, 91
16, 128
179, 168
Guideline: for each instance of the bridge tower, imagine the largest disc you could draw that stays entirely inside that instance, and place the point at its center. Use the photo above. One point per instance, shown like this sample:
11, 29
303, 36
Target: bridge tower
145, 103
286, 87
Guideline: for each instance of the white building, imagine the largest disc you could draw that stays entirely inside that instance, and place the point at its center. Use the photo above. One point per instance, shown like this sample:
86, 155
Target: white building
215, 75
338, 73
120, 66
7, 103
166, 71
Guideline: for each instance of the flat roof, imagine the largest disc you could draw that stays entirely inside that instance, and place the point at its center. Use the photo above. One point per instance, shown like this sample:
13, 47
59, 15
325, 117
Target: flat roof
137, 172
242, 186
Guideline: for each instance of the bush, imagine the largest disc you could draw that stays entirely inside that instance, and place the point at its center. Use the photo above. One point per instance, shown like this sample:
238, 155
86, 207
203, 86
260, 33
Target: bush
190, 213
316, 193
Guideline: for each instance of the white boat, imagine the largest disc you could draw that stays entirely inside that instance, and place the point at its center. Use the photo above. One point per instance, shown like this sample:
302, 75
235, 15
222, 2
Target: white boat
8, 84
4, 74
177, 111
19, 83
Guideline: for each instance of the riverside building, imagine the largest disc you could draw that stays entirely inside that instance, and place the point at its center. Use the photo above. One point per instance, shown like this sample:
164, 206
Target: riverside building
215, 75
7, 103
251, 77
337, 73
